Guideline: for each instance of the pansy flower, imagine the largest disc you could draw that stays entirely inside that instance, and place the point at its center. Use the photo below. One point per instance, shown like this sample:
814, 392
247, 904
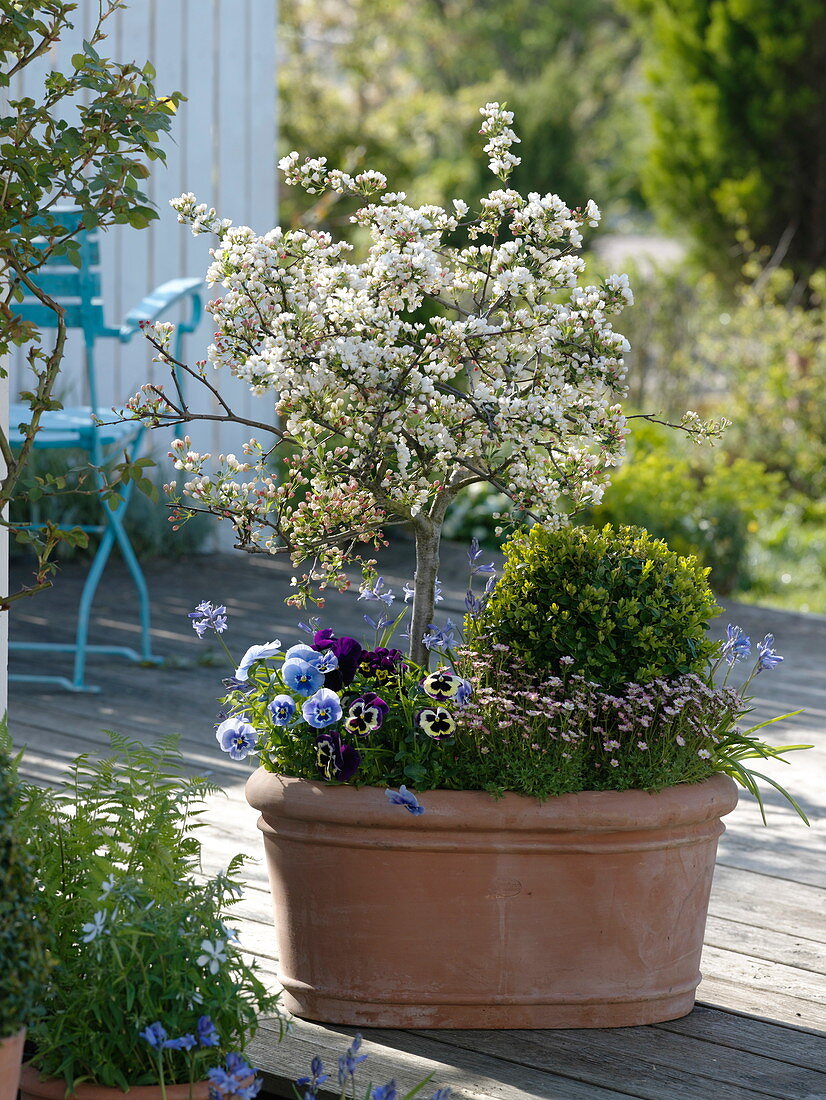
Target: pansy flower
282, 709
237, 738
366, 713
443, 685
325, 661
256, 653
348, 653
381, 662
436, 722
336, 760
301, 676
322, 709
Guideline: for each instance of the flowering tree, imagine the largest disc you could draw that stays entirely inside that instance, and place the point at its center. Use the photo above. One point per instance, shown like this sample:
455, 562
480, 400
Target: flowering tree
461, 349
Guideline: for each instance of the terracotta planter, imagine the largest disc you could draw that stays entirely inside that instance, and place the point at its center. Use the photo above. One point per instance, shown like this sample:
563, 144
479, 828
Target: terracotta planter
587, 910
50, 1088
11, 1055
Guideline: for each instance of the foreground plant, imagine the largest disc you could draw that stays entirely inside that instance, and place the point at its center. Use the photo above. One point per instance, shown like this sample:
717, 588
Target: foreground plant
150, 986
464, 348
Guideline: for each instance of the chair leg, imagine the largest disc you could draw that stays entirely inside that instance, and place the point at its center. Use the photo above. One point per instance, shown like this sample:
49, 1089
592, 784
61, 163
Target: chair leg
114, 532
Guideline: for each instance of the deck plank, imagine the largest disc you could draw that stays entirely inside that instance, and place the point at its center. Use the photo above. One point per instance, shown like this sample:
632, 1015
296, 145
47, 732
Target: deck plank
758, 1030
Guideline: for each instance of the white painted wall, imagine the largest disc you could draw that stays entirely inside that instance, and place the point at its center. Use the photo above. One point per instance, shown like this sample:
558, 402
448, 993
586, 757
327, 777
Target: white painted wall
222, 55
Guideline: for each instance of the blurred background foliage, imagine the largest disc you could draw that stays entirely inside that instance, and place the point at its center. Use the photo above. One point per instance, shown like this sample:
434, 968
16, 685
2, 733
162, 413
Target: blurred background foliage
699, 127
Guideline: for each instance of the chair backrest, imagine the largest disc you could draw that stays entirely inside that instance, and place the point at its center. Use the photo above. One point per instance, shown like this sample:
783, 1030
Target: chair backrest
77, 290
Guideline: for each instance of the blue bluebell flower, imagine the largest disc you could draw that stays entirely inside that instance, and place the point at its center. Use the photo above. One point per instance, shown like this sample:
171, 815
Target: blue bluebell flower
256, 653
377, 624
737, 645
237, 1081
155, 1035
206, 617
378, 592
766, 656
474, 553
322, 709
301, 676
317, 1076
406, 798
237, 738
385, 1092
207, 1034
441, 638
282, 709
185, 1042
311, 626
410, 591
349, 1062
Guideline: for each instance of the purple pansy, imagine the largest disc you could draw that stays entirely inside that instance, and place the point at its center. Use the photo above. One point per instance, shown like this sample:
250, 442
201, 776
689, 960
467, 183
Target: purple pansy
382, 660
322, 709
366, 713
406, 798
347, 650
236, 737
335, 759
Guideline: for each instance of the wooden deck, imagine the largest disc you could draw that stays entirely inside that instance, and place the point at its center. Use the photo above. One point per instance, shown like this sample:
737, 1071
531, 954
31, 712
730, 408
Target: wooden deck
759, 1030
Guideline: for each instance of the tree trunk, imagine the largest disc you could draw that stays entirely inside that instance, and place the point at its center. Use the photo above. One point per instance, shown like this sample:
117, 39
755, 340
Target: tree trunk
428, 536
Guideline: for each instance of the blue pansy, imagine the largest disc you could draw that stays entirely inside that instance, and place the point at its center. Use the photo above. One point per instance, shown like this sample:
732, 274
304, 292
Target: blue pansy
282, 709
301, 676
322, 709
406, 798
236, 737
256, 653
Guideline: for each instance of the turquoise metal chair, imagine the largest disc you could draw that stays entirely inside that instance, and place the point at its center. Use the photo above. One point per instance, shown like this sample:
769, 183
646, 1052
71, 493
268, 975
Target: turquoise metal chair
78, 428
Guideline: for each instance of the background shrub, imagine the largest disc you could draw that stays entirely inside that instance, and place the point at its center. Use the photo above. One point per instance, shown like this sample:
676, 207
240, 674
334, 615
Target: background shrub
620, 603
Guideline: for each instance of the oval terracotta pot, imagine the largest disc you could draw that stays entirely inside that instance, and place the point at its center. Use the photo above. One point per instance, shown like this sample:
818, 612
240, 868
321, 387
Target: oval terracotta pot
33, 1087
11, 1055
587, 910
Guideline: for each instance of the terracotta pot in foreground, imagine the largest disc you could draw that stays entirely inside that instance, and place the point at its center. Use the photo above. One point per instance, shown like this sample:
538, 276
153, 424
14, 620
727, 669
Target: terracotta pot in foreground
50, 1088
587, 910
11, 1055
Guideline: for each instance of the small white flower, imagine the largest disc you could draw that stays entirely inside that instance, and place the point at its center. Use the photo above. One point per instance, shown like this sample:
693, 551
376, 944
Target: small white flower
96, 927
107, 886
213, 955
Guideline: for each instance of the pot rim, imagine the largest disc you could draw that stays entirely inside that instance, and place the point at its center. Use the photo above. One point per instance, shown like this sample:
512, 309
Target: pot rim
54, 1088
309, 800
